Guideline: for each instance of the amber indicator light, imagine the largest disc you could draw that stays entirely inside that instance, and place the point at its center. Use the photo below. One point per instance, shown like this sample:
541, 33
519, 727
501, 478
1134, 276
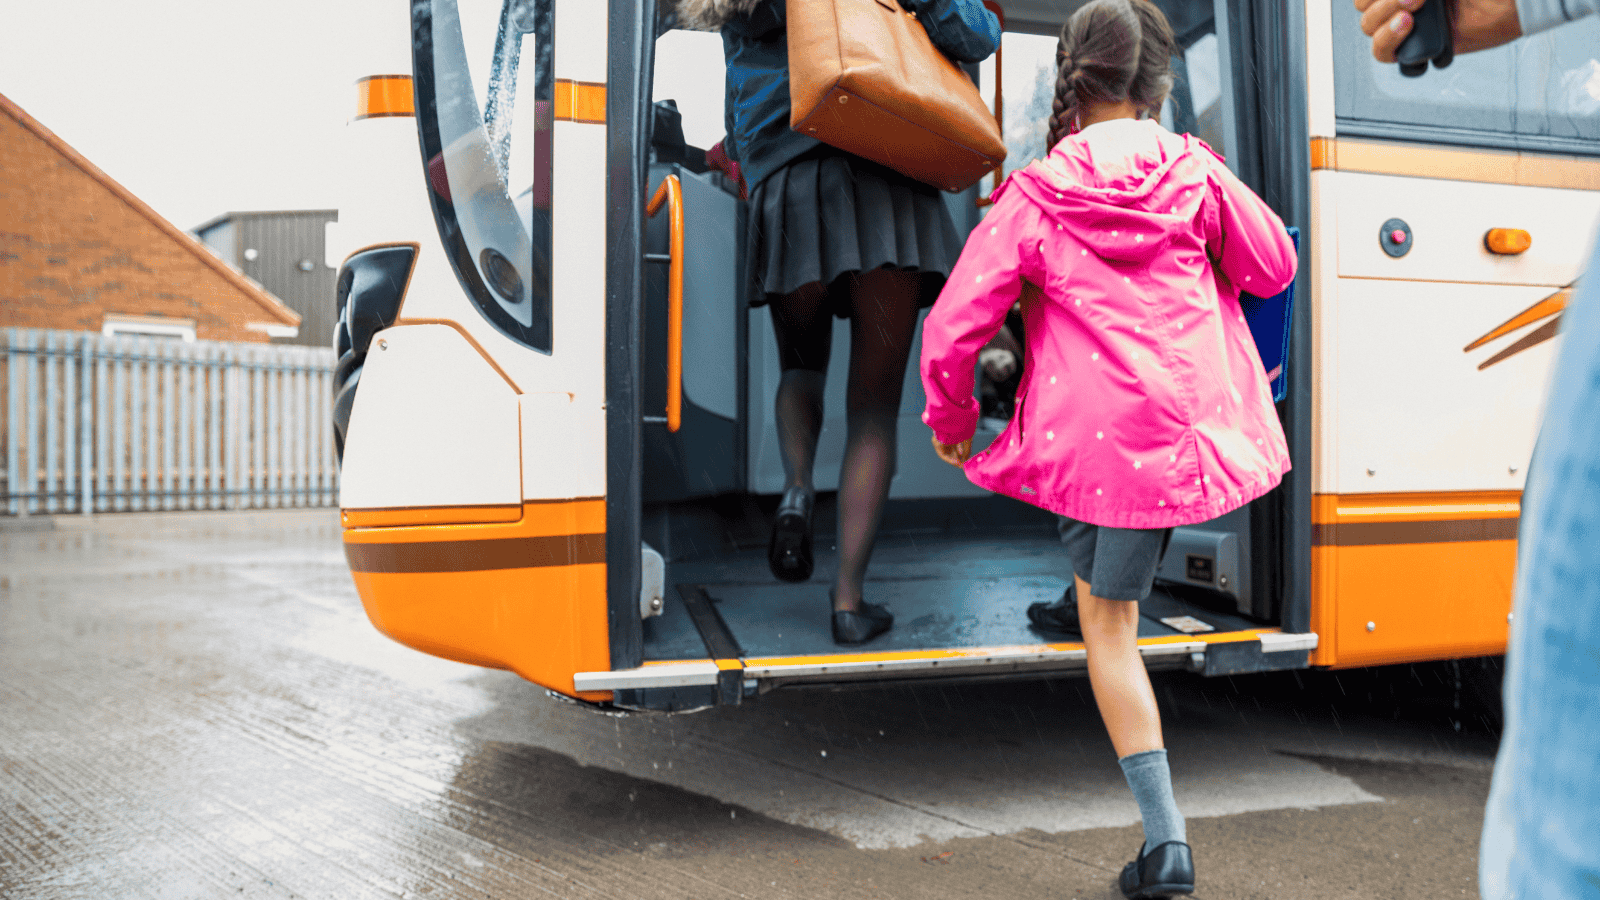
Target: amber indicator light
1507, 241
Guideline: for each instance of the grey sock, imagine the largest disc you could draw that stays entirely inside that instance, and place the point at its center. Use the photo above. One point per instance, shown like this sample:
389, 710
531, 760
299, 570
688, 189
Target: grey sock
1151, 781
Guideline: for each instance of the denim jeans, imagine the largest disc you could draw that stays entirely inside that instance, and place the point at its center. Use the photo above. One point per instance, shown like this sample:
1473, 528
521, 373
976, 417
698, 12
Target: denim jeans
1541, 831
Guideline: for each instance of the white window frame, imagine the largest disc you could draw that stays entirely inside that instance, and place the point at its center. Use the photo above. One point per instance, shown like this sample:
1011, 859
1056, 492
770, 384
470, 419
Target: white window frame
182, 329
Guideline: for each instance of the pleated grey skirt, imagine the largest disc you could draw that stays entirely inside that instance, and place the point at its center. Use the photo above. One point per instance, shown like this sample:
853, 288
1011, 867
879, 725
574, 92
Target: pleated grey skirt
830, 213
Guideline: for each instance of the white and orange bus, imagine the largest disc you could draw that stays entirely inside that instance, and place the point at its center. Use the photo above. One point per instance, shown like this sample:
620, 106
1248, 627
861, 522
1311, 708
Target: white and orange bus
554, 403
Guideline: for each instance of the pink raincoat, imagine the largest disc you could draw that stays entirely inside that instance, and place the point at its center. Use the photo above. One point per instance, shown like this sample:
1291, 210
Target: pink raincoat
1143, 402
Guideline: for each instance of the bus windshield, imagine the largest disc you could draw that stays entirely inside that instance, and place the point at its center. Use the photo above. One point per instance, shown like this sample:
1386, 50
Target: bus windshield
485, 90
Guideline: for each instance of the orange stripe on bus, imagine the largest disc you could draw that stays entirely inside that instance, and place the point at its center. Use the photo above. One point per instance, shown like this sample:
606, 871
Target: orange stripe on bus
1322, 156
580, 101
384, 95
429, 515
1457, 164
1546, 332
1545, 308
1429, 506
539, 518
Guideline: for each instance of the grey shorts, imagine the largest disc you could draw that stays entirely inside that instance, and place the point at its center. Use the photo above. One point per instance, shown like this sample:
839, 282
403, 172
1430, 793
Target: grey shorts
1118, 563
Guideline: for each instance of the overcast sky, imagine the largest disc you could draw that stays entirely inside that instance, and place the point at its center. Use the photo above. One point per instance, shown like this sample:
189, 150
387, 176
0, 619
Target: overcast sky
197, 106
202, 107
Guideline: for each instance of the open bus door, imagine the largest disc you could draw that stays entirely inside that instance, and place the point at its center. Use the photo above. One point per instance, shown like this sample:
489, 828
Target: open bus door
543, 473
957, 566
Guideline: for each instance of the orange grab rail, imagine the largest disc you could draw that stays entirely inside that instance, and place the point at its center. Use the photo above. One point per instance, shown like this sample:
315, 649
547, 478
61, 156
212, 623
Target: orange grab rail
671, 192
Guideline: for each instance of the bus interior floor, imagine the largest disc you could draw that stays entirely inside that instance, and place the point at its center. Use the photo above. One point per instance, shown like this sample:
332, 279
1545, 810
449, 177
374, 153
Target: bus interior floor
946, 593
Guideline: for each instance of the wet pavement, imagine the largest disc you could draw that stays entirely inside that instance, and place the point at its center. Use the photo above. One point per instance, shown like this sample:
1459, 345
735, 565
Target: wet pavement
194, 705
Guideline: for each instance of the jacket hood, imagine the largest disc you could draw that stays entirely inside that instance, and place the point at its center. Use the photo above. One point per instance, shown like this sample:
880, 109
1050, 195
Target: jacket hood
1123, 188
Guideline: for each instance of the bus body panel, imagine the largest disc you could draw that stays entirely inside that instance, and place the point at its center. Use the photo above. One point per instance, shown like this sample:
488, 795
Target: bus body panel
1415, 413
434, 425
1319, 37
528, 595
1412, 576
1400, 603
1431, 369
381, 185
1427, 399
1449, 218
581, 32
474, 480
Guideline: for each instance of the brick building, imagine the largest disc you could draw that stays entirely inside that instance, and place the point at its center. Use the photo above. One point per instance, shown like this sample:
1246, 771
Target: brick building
78, 251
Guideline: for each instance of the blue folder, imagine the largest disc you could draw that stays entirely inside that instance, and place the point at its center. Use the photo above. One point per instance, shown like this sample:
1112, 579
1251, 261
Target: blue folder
1269, 324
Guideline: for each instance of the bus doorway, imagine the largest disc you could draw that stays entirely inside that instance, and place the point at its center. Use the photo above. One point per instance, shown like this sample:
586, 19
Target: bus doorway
958, 567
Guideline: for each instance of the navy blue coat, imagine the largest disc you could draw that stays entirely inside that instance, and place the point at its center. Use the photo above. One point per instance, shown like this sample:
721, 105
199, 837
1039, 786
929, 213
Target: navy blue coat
756, 47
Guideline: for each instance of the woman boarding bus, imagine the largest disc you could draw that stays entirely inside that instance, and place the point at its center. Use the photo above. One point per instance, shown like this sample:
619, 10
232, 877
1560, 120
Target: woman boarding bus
832, 234
559, 458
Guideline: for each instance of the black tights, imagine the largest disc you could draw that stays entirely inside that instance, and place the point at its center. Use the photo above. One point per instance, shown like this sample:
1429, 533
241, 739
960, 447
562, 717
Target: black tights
883, 321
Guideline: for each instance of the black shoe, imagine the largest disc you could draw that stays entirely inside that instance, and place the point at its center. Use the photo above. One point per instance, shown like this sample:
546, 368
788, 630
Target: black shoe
1166, 871
1060, 617
862, 625
789, 552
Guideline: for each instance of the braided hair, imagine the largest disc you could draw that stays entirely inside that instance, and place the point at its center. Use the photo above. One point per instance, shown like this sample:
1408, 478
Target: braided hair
1111, 51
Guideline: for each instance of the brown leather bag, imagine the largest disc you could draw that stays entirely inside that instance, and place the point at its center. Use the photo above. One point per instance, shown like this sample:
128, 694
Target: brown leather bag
865, 77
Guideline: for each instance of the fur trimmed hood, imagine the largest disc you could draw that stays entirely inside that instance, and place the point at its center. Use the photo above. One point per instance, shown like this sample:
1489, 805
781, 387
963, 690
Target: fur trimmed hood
711, 15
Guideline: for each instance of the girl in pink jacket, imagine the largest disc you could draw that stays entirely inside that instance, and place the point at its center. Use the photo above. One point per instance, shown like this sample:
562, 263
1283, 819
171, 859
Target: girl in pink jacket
1144, 404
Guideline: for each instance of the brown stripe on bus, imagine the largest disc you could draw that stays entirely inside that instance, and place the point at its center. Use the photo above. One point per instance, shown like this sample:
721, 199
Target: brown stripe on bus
1365, 534
476, 556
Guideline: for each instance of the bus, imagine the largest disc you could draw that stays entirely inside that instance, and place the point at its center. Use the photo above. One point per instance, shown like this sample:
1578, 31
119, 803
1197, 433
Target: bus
553, 404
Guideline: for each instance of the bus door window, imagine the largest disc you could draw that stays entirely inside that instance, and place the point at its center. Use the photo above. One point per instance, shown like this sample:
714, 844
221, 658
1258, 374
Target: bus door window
689, 74
486, 88
1196, 104
1029, 82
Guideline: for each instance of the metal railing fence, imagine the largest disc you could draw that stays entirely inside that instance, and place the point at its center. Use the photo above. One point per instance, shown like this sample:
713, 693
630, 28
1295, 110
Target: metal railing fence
111, 424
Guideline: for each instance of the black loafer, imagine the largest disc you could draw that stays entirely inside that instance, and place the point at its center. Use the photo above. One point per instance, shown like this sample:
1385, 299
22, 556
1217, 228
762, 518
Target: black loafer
862, 625
1060, 617
789, 552
1166, 871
